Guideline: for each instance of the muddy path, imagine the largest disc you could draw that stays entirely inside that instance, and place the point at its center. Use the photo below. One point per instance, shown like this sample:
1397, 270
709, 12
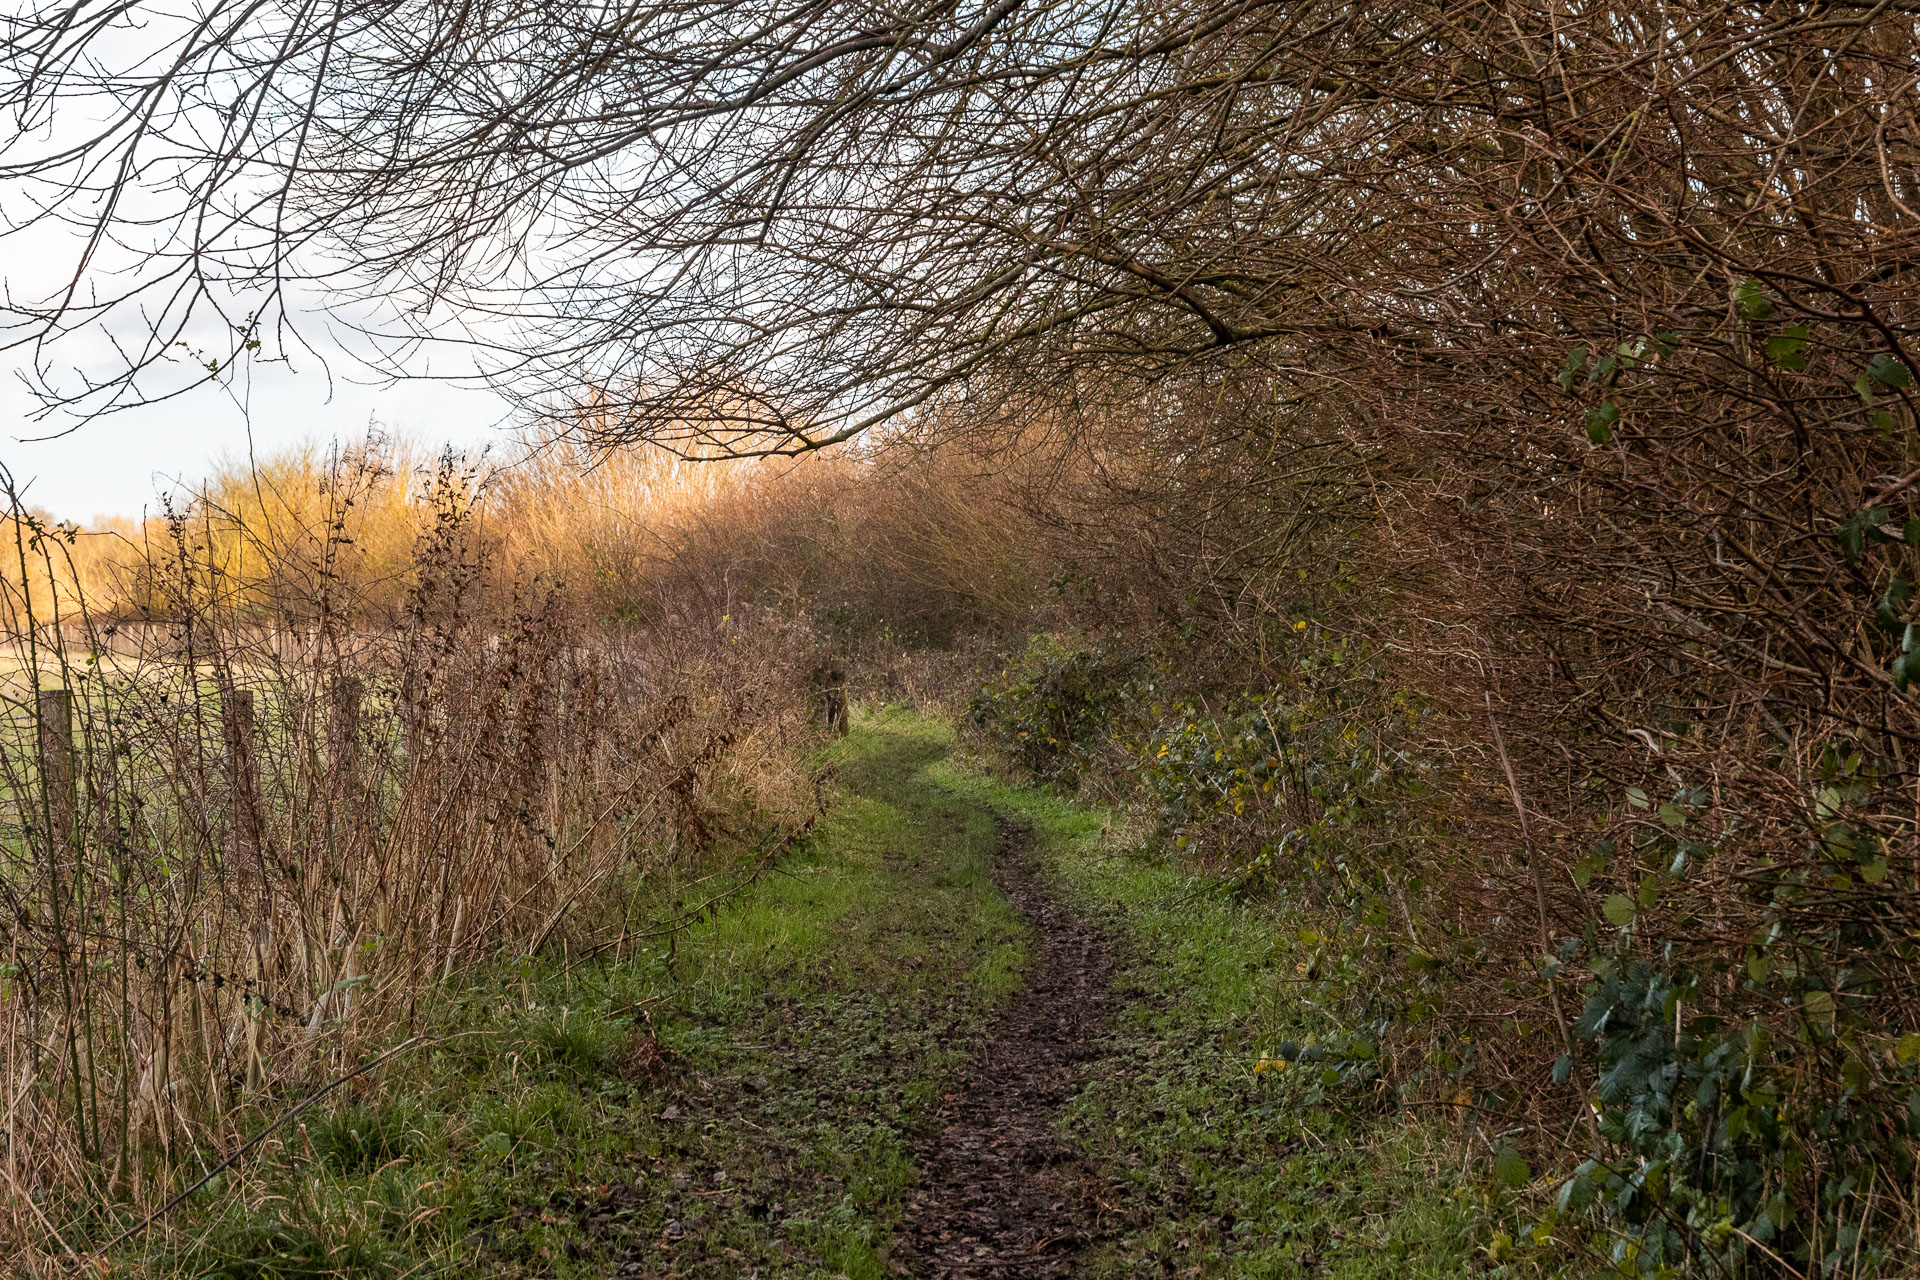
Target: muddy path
1001, 1194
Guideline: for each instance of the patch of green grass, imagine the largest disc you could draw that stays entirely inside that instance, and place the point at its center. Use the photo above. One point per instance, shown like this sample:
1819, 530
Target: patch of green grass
739, 1098
263, 1249
744, 1097
1218, 1167
583, 1047
357, 1138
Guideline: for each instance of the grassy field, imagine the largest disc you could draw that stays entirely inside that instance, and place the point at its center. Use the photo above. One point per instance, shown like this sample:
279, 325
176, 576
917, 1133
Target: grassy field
744, 1098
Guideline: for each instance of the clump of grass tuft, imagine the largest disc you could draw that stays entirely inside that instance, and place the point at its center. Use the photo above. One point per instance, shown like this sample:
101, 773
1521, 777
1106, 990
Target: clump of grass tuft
358, 1137
262, 1248
576, 1044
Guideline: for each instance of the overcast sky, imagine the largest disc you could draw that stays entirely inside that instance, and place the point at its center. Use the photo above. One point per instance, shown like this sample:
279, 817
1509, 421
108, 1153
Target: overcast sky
115, 465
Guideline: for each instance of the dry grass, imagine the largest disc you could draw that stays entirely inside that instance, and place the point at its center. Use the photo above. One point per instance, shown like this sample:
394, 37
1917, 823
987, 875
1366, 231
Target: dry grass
309, 751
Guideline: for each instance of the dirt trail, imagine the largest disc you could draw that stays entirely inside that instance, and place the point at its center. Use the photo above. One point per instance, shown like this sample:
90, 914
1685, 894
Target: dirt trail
1001, 1195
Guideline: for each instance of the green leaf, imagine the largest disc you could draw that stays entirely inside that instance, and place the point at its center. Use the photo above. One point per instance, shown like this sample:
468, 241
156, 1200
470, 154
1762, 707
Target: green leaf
1636, 797
1578, 1191
1861, 528
1907, 666
1759, 965
1600, 422
1601, 369
1892, 604
1818, 1004
1750, 297
1671, 815
1908, 1050
1510, 1169
1876, 871
1789, 349
1563, 1067
1576, 361
1887, 371
1618, 909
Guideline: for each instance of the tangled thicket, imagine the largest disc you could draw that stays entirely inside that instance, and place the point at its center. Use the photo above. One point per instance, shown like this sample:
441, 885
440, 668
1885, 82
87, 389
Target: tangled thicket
1552, 364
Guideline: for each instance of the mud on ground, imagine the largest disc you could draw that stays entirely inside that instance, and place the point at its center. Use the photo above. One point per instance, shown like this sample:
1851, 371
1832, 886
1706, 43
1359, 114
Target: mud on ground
1001, 1193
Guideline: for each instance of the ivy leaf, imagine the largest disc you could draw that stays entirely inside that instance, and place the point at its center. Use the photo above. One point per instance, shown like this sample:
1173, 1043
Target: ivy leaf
1576, 361
1861, 528
1789, 349
1887, 371
1892, 604
1618, 909
1751, 299
1907, 665
1908, 1050
1579, 1191
1600, 422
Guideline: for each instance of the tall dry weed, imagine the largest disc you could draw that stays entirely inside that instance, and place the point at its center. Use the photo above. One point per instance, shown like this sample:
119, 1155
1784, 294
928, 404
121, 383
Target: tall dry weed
318, 754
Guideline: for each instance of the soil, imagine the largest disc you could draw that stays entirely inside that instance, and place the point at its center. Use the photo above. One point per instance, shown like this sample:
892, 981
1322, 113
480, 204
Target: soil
1001, 1194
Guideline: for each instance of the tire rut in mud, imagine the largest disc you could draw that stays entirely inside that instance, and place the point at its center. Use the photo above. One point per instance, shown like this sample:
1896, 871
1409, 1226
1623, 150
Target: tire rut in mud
1001, 1194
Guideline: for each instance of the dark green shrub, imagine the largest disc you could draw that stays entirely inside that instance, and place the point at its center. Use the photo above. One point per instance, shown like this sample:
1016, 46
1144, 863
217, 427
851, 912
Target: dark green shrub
1059, 706
1738, 1149
1288, 781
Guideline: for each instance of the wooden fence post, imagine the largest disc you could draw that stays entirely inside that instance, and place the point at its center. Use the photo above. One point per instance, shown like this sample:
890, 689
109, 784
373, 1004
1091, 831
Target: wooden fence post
343, 737
236, 715
56, 761
343, 750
